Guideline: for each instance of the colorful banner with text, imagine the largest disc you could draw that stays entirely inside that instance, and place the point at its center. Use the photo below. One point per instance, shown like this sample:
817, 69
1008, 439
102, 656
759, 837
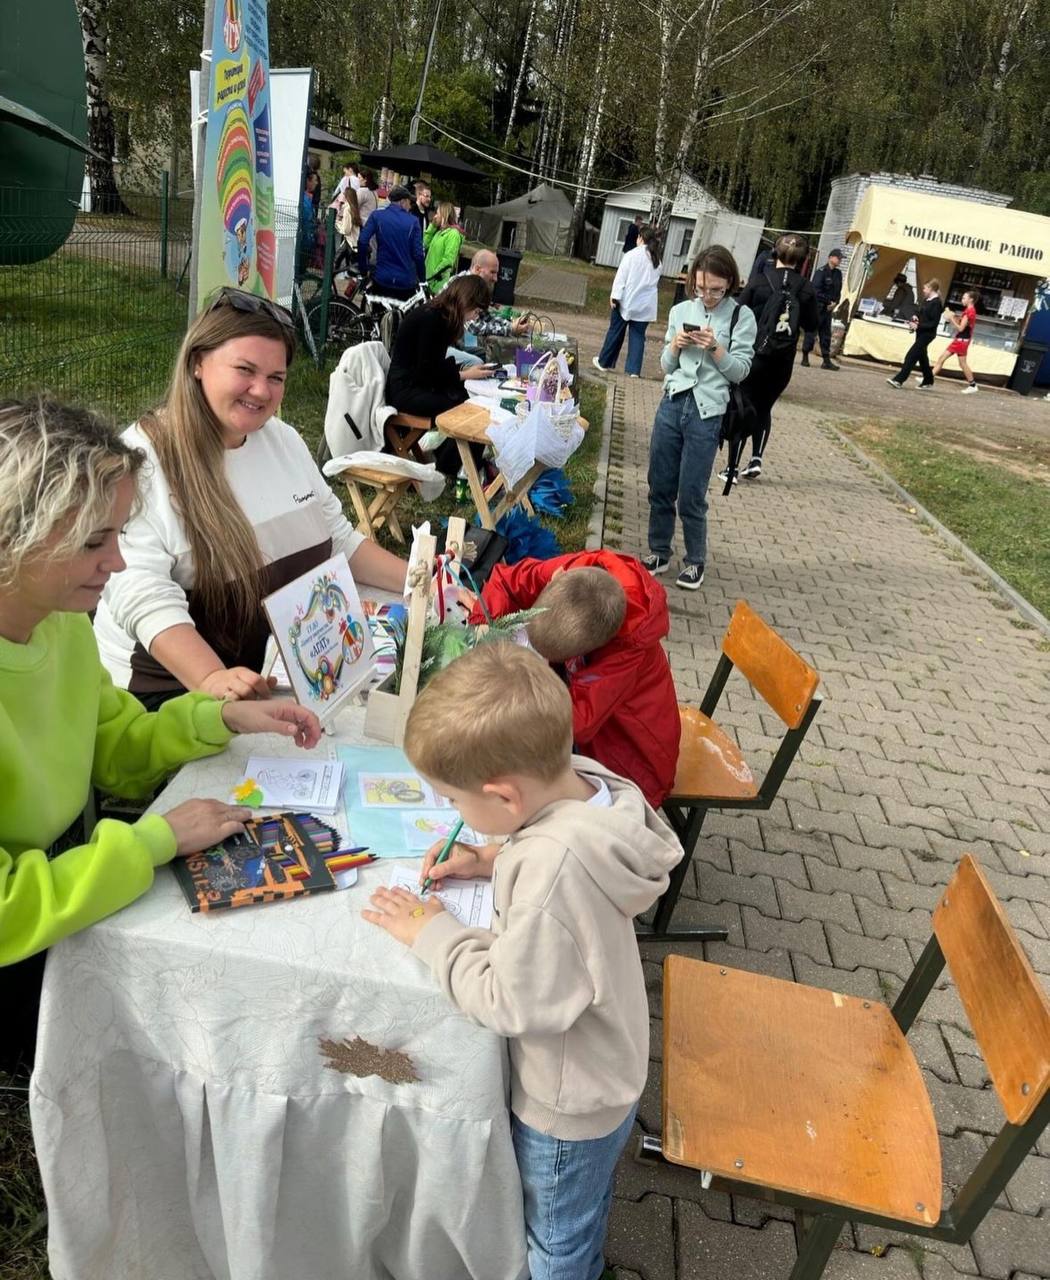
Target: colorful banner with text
236, 242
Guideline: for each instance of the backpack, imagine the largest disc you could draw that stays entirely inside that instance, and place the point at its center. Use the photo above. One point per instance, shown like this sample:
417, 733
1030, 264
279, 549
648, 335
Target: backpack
738, 421
779, 322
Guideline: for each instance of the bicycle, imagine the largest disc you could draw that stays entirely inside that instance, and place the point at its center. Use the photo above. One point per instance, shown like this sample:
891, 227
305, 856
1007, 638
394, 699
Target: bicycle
388, 312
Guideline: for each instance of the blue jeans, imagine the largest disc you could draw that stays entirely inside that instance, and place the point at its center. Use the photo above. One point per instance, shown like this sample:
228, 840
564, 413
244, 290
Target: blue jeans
681, 457
635, 330
567, 1187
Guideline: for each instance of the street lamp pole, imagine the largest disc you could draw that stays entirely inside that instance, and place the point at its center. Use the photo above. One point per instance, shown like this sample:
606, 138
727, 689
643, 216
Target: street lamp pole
413, 128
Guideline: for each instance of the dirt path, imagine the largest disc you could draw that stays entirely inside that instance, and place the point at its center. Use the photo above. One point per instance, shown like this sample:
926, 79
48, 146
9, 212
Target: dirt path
995, 425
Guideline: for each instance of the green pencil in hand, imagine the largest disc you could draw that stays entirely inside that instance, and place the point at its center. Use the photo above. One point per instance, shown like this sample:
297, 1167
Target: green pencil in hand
446, 850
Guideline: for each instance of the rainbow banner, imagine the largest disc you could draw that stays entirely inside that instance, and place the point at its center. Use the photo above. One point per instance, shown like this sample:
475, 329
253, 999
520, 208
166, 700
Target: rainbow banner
235, 245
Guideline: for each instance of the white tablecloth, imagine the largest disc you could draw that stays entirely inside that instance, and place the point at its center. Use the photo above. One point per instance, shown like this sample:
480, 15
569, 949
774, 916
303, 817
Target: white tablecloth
188, 1127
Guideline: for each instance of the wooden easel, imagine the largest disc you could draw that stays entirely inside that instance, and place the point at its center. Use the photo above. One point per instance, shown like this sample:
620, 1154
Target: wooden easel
387, 711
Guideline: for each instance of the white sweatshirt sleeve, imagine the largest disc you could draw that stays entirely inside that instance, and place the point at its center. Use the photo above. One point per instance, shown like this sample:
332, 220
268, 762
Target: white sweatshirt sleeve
345, 537
145, 599
620, 280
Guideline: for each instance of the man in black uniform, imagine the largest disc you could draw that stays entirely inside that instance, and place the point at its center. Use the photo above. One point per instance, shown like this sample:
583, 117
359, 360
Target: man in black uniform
827, 284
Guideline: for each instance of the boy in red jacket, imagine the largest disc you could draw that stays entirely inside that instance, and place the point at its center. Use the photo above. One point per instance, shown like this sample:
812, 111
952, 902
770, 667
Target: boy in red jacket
604, 628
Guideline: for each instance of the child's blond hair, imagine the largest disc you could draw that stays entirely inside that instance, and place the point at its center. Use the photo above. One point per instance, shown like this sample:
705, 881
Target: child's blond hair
498, 710
583, 609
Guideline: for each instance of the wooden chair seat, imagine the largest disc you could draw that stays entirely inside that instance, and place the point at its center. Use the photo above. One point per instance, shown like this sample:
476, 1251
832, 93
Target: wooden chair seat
710, 764
390, 489
798, 1090
403, 432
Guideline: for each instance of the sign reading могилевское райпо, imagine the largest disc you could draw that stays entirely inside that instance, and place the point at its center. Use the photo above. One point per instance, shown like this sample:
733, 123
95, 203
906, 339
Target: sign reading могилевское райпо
958, 240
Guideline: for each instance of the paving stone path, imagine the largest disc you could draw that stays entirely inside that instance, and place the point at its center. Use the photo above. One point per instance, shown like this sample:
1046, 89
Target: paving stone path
551, 284
934, 739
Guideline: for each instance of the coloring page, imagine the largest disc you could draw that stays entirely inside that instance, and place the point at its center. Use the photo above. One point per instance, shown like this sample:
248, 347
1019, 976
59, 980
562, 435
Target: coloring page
470, 901
423, 828
395, 791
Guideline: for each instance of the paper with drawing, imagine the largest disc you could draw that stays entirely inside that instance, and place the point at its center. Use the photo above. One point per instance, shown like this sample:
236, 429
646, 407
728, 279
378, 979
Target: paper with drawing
470, 901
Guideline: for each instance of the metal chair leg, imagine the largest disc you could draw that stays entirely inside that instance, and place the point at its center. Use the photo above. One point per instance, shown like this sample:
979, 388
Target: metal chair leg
660, 929
815, 1248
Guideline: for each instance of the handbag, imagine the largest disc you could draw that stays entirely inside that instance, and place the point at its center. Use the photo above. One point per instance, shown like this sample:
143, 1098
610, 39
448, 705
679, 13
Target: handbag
483, 549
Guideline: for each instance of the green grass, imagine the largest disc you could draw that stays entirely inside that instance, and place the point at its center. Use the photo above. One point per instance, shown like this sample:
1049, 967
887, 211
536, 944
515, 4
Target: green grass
23, 1253
1003, 517
96, 331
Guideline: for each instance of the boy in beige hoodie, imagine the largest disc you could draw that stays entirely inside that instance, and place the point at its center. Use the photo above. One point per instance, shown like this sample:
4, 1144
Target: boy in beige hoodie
559, 973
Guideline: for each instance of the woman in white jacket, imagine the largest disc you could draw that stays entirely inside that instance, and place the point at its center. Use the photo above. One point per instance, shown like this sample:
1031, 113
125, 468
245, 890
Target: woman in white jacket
633, 302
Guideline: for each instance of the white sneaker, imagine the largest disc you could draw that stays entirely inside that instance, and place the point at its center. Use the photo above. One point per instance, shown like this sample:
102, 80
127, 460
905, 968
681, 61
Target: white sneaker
600, 367
970, 390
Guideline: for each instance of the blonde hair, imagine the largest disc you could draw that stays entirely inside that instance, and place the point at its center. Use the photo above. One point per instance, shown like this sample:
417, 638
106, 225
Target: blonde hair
583, 609
497, 710
934, 284
445, 214
59, 470
188, 440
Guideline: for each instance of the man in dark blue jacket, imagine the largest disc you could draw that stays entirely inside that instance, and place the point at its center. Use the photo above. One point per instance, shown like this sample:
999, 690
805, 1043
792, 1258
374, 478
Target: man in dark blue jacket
399, 265
827, 284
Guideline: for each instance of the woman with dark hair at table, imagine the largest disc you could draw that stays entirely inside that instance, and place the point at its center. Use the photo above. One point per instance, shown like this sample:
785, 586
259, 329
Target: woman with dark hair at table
233, 508
68, 484
424, 379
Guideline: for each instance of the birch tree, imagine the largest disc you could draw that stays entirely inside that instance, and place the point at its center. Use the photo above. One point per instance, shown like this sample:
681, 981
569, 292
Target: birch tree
102, 137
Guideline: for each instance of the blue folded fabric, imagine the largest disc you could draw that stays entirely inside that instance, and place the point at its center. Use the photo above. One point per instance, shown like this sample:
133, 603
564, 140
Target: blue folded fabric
552, 494
525, 537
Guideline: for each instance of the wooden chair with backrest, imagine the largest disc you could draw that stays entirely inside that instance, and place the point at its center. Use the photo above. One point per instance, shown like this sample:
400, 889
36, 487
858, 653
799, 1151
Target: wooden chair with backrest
712, 771
814, 1100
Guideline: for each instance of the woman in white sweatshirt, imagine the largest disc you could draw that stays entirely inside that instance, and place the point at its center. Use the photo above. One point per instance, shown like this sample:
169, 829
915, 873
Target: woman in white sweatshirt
633, 303
232, 507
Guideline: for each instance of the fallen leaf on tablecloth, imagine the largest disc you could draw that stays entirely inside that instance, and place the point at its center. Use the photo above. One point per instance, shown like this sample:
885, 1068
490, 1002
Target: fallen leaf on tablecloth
359, 1058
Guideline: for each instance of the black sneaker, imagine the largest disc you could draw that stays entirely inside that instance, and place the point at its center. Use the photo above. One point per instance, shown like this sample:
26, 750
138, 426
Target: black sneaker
894, 383
830, 364
655, 564
753, 470
805, 359
723, 475
691, 578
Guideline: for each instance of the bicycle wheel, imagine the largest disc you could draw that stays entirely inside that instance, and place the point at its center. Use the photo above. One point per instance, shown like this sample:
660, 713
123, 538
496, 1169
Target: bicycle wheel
346, 325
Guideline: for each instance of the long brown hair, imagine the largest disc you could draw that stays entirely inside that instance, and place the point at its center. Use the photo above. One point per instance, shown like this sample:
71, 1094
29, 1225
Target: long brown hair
188, 440
466, 293
350, 196
647, 235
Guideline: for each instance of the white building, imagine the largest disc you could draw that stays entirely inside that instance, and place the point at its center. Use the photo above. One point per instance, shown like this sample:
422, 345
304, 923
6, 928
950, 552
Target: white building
697, 220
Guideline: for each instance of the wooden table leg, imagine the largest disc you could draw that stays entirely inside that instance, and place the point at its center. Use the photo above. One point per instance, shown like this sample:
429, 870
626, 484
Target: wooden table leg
477, 487
364, 516
519, 493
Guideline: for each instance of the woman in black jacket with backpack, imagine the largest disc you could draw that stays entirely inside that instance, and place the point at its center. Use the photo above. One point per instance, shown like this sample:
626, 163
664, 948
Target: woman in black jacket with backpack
784, 304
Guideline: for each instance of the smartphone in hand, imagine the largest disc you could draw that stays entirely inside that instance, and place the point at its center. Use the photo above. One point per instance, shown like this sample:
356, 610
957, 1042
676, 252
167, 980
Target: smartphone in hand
691, 328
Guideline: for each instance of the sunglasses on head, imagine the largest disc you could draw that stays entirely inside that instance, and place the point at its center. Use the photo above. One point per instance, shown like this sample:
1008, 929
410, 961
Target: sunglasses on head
252, 304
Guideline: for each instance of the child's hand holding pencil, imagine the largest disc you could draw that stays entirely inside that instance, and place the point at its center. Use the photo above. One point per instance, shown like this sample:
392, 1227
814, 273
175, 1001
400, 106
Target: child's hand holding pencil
463, 862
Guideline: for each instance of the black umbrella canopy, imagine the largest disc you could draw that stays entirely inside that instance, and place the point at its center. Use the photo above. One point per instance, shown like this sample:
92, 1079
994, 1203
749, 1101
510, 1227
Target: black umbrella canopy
322, 140
421, 157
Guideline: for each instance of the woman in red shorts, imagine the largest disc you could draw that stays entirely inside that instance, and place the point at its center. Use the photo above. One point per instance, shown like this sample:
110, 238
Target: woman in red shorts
963, 323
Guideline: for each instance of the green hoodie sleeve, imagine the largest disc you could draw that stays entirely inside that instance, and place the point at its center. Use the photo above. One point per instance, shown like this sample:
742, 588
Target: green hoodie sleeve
134, 749
43, 901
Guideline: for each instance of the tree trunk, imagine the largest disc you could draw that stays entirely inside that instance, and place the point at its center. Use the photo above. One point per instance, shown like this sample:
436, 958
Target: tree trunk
519, 82
1014, 16
94, 30
592, 130
563, 73
386, 102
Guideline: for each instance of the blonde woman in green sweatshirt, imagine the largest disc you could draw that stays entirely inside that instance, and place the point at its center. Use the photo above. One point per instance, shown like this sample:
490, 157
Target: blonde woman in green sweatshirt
441, 243
67, 486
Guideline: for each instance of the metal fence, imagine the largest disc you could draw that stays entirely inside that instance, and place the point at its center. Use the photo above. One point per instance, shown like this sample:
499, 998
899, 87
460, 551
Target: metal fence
97, 321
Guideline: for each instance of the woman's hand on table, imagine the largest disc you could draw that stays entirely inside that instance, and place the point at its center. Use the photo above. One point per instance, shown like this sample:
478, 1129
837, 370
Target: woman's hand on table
401, 913
199, 824
465, 862
476, 371
278, 715
237, 682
